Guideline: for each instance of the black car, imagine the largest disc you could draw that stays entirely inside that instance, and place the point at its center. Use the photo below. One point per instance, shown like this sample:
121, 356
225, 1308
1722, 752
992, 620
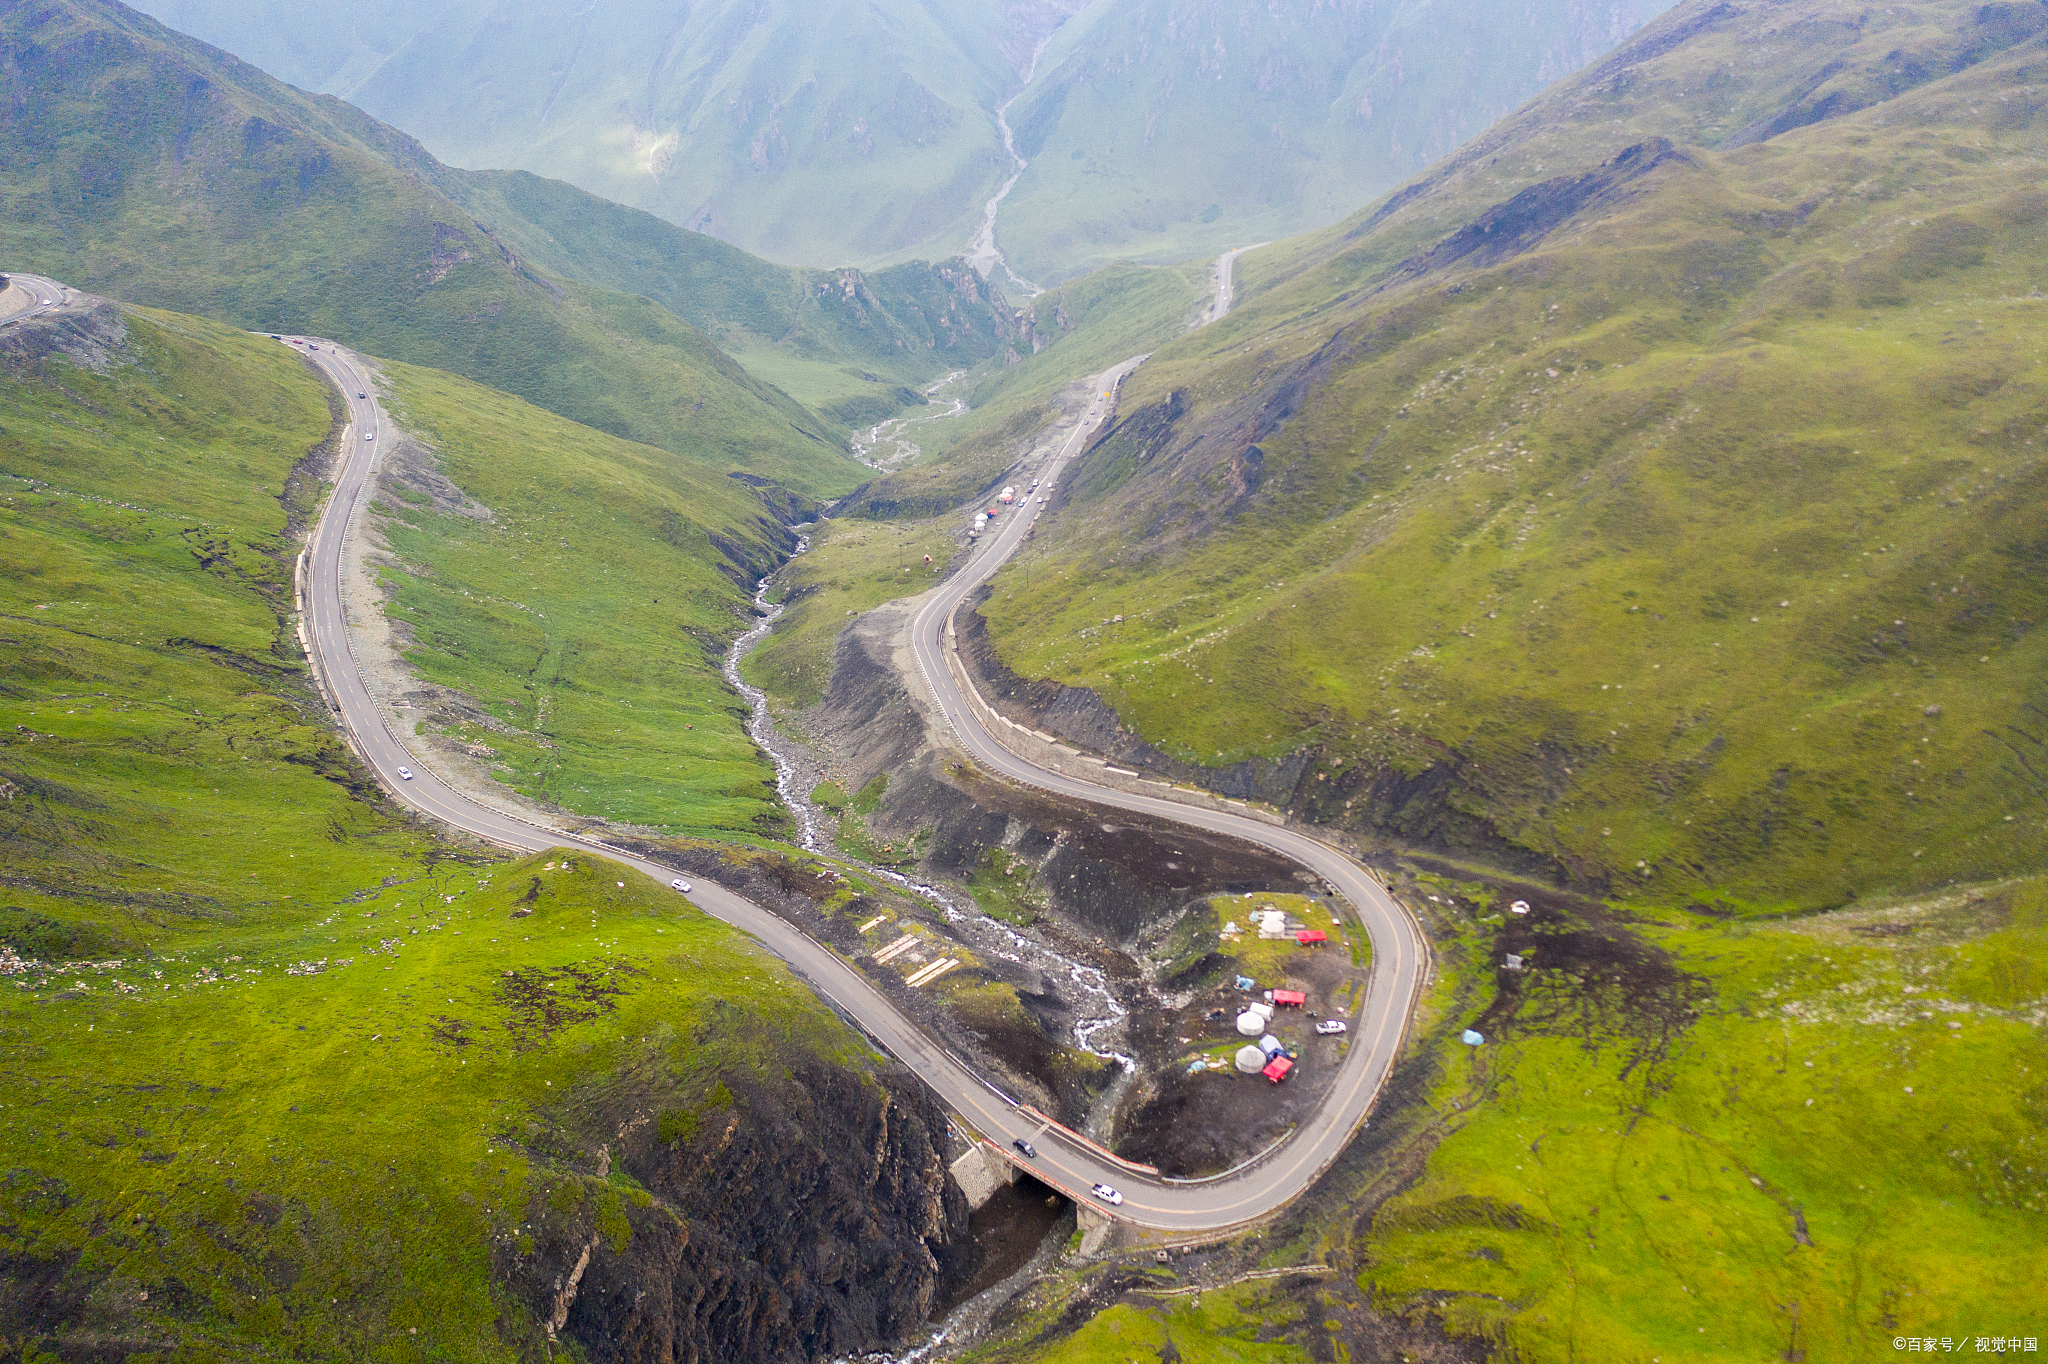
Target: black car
1030, 1151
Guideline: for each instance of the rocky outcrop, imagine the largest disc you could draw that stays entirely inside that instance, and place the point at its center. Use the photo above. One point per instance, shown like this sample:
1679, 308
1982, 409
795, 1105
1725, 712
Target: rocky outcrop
89, 332
794, 1212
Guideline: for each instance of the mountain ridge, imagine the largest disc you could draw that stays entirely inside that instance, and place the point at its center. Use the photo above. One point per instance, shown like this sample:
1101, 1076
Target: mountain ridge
166, 171
1601, 287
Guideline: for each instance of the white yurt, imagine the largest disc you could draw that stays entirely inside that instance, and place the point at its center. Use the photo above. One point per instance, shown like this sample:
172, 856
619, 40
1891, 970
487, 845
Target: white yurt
1250, 1060
1251, 1024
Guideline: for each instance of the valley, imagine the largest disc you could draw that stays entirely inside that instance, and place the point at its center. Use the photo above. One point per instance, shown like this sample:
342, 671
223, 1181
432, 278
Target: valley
1071, 1168
1428, 746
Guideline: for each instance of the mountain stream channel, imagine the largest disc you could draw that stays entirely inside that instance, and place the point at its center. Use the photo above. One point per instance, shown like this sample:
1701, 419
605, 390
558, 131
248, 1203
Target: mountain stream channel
1016, 1219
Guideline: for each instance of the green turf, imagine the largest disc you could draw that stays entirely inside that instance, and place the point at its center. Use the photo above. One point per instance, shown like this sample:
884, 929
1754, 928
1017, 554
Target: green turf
589, 614
1845, 1146
284, 1074
303, 1136
1222, 1326
852, 566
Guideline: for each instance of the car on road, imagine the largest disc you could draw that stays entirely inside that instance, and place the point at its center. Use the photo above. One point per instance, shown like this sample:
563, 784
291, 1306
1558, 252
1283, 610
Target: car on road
680, 884
1330, 1027
405, 774
369, 435
1107, 1195
1030, 1151
362, 395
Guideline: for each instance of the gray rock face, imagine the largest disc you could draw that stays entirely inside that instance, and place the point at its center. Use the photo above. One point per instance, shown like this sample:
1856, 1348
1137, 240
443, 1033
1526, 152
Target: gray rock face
803, 1213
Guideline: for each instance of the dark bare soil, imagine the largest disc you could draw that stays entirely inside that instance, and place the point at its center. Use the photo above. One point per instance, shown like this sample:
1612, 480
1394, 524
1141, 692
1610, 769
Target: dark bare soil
1585, 974
1199, 1124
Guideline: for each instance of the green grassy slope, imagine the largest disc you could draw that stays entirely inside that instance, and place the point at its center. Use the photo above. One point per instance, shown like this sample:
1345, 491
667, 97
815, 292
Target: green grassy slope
331, 46
163, 171
285, 1075
1843, 1148
1701, 76
1168, 130
1677, 527
839, 340
589, 614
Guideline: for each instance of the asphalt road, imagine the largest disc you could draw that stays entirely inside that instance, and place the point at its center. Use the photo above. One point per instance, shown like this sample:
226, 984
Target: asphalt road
1065, 1161
1400, 953
1226, 293
44, 295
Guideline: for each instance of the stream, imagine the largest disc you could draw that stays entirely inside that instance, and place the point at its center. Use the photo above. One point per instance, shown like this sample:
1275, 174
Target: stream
1097, 1008
896, 430
983, 253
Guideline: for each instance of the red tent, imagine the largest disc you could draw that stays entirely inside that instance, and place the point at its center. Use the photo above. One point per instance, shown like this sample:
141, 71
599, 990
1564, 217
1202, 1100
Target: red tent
1287, 998
1277, 1068
1309, 937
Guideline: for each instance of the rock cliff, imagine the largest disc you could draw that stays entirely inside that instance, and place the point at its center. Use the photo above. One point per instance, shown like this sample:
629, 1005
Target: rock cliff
796, 1212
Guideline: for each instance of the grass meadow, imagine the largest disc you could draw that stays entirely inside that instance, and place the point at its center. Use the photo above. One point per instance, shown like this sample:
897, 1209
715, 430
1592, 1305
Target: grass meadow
589, 614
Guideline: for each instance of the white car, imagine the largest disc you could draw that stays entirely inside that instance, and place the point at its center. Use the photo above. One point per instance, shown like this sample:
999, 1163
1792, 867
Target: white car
1107, 1195
405, 774
680, 884
369, 435
1330, 1027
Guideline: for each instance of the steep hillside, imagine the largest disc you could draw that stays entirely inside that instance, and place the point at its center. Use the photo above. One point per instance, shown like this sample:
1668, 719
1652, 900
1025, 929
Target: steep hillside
163, 170
287, 1075
564, 600
1672, 528
331, 47
846, 342
1163, 130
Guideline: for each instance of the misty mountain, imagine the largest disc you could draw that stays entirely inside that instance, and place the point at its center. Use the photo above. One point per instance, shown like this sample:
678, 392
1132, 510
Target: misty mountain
1154, 130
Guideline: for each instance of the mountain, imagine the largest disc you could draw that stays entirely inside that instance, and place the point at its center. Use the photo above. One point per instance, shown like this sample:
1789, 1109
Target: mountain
1650, 496
732, 117
1167, 129
1631, 537
1154, 130
334, 45
166, 171
292, 1076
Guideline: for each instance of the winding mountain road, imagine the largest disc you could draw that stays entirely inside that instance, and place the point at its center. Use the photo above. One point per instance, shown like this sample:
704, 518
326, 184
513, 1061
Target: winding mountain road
1226, 288
29, 296
1065, 1160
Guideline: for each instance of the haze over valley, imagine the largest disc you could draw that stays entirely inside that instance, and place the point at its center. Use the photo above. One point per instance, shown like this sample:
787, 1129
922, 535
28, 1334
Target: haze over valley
1022, 680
